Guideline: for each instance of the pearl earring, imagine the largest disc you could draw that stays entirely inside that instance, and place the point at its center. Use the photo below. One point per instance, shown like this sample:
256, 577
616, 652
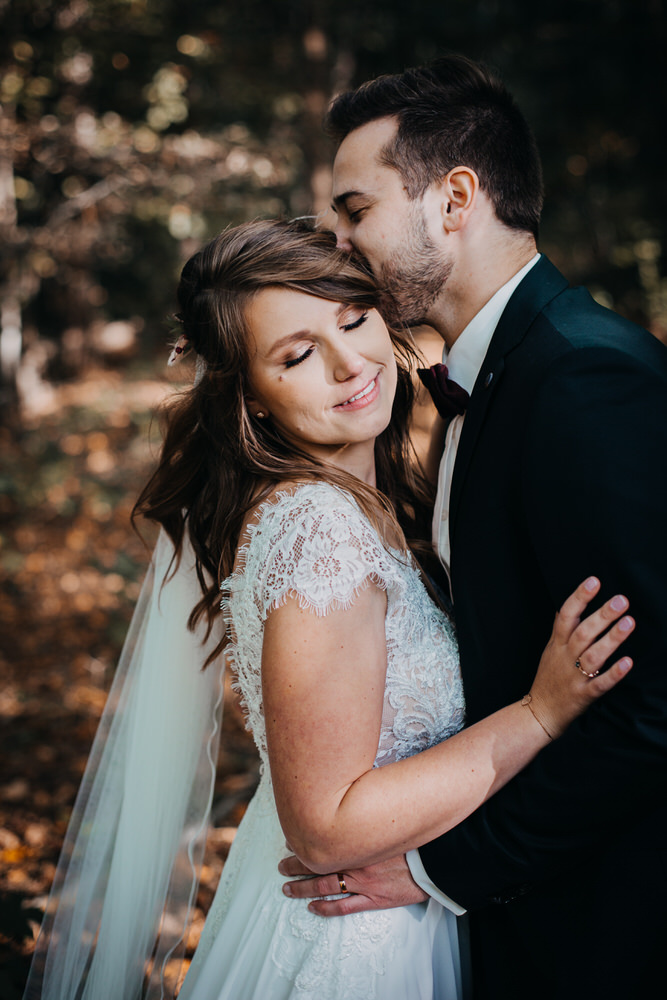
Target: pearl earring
260, 415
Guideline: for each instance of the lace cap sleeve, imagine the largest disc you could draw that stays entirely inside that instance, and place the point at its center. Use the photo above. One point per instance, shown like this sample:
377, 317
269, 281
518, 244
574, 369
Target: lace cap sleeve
316, 545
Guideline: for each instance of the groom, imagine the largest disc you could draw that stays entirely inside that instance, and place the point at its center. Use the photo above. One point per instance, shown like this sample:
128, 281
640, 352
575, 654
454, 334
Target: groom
556, 470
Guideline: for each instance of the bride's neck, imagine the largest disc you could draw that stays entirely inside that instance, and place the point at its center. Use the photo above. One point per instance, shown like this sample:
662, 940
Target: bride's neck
356, 458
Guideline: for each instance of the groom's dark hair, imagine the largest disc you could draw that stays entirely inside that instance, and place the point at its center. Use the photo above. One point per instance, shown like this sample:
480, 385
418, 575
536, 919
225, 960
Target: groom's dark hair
451, 113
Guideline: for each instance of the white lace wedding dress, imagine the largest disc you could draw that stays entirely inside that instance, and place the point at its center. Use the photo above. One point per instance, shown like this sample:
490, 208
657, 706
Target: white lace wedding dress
258, 944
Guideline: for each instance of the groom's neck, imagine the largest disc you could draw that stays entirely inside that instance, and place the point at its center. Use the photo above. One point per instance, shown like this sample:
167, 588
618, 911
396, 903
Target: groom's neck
478, 272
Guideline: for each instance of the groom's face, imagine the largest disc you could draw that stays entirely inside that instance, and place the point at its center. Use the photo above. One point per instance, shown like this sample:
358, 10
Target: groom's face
396, 235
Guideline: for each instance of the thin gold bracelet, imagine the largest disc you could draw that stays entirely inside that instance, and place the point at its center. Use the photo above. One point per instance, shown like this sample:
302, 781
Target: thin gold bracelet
526, 700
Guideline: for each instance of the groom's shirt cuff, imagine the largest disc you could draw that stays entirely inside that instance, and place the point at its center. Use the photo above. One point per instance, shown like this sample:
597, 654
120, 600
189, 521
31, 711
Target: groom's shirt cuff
418, 873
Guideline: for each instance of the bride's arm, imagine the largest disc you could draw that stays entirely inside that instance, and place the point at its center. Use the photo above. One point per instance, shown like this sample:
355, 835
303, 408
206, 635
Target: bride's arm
323, 689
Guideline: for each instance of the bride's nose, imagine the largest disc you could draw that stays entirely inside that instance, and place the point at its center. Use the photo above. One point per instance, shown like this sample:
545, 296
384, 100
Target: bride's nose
348, 363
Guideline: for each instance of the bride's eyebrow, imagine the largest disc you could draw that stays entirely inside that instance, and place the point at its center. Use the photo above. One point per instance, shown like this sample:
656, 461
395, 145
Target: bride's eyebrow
290, 338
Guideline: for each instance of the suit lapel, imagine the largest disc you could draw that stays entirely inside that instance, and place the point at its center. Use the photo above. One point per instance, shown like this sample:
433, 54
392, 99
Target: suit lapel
542, 284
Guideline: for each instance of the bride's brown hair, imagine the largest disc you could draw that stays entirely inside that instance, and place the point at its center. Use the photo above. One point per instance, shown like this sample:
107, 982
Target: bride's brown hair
217, 461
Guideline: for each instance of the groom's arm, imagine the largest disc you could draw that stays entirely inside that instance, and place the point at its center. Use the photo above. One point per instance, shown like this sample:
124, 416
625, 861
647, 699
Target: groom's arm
594, 501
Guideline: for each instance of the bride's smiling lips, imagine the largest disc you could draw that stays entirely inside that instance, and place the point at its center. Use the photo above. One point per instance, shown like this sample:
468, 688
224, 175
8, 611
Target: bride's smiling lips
366, 395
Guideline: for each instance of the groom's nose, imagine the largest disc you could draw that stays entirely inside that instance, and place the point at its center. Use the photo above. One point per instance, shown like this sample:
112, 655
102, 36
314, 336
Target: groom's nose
342, 239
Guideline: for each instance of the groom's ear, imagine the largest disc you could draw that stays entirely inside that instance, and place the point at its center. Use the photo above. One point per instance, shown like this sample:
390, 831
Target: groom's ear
458, 195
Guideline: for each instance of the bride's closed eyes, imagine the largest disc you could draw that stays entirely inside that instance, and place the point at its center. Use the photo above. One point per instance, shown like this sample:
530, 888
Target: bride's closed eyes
291, 362
354, 325
357, 322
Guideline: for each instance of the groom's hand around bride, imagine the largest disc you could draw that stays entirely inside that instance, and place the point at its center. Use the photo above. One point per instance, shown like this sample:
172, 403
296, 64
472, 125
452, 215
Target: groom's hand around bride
376, 887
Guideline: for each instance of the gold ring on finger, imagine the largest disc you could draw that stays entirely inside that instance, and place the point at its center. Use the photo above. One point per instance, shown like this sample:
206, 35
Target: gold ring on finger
341, 882
578, 665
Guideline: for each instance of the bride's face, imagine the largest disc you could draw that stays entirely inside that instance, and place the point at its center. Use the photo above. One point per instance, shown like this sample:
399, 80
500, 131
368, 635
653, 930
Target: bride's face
323, 372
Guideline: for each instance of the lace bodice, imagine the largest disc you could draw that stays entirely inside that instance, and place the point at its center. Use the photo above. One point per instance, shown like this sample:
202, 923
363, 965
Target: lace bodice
315, 544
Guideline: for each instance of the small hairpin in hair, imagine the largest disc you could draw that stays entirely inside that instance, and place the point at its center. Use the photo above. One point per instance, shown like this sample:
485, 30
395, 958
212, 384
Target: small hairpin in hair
180, 348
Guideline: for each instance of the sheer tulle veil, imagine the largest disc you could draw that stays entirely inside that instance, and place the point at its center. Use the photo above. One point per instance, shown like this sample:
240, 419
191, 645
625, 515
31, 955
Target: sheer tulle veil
125, 885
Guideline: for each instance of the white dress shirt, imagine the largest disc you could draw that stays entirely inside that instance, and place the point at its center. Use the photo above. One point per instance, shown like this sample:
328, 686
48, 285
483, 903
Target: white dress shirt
464, 361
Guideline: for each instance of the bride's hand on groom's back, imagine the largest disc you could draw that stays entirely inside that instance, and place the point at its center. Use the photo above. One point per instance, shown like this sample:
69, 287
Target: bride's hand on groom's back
571, 674
376, 887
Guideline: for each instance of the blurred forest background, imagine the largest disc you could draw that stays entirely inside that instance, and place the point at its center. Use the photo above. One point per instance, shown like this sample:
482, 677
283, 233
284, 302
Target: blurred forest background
130, 131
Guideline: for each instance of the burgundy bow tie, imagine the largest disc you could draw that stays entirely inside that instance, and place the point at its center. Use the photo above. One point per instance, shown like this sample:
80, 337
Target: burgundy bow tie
449, 397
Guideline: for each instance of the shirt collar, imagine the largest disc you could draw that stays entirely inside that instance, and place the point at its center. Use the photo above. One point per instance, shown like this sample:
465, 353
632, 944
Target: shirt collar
465, 357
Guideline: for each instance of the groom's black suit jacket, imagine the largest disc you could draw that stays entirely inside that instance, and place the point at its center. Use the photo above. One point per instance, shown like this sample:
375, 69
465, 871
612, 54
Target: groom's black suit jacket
561, 473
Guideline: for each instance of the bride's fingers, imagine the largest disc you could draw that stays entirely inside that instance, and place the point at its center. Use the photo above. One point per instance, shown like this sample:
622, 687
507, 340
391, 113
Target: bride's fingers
598, 653
570, 613
609, 679
586, 633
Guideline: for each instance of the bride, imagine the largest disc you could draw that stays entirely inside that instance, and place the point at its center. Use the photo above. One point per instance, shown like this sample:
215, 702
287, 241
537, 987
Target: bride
285, 485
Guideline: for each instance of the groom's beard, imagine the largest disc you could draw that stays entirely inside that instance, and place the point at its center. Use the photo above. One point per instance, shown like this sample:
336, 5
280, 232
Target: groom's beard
411, 281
